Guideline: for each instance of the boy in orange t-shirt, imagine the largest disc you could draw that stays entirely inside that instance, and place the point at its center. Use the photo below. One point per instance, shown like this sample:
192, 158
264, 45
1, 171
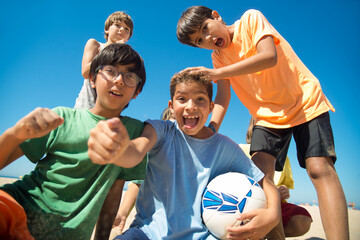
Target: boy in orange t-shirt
283, 96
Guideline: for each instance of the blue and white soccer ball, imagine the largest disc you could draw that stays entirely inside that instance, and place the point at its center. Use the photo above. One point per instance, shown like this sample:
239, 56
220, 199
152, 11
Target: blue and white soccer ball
225, 197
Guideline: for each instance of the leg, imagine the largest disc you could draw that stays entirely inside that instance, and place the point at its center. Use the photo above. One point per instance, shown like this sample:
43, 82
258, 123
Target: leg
296, 220
298, 225
332, 202
109, 210
266, 163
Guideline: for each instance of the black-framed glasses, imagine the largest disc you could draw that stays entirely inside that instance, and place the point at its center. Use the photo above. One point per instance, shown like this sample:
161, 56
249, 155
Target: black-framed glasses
110, 73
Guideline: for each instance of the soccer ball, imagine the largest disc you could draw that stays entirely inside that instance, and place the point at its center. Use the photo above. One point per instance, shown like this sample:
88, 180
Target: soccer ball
225, 197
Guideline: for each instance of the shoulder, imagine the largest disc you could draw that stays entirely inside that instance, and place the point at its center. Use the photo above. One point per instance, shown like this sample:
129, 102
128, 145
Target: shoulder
92, 41
133, 126
63, 110
252, 17
131, 121
163, 129
92, 44
72, 113
251, 13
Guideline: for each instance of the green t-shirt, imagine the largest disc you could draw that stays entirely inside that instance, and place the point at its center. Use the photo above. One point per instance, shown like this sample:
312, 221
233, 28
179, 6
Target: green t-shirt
64, 194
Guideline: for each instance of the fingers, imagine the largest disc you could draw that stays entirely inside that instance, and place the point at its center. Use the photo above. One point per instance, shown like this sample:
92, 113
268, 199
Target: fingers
38, 123
284, 192
107, 141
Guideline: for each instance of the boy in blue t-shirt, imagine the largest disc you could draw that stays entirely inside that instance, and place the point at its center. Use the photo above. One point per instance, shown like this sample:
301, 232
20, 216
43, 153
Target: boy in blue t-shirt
66, 193
184, 156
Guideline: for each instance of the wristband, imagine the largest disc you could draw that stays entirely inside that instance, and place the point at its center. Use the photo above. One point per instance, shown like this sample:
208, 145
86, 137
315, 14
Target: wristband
212, 127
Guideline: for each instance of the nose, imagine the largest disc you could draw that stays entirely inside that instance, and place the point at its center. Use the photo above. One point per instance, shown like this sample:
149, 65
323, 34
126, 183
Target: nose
119, 80
207, 37
190, 105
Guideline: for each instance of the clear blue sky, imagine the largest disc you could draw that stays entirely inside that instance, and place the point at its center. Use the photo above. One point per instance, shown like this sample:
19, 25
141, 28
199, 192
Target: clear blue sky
42, 46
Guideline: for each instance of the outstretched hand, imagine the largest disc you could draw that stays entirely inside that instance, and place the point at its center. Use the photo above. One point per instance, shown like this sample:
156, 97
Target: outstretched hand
262, 221
37, 123
212, 73
108, 140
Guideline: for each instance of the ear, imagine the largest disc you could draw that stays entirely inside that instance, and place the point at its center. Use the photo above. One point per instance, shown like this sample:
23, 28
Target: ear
216, 15
136, 94
92, 81
212, 106
170, 104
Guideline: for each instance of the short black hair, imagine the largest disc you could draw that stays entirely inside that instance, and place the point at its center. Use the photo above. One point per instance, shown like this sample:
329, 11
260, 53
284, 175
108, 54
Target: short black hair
190, 21
123, 54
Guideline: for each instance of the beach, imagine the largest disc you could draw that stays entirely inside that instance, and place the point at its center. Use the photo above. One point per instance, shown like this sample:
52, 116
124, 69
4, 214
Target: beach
316, 231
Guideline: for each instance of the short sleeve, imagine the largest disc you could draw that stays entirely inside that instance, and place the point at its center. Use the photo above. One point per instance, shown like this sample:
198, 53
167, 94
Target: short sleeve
249, 30
256, 26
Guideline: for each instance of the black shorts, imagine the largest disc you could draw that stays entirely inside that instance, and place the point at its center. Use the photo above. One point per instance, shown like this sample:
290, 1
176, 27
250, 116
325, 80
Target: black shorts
313, 139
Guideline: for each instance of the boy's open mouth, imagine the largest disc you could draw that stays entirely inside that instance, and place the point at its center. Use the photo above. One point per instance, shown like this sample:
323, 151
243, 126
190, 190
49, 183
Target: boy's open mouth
190, 121
219, 42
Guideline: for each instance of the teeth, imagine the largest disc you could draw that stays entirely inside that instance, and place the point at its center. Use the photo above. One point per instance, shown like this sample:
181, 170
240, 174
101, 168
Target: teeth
191, 117
117, 94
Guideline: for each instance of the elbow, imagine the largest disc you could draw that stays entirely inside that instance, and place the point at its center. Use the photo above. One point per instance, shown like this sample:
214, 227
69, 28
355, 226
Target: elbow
272, 60
85, 75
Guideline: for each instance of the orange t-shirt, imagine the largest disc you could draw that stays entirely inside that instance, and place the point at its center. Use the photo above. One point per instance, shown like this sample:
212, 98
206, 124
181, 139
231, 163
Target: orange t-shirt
283, 96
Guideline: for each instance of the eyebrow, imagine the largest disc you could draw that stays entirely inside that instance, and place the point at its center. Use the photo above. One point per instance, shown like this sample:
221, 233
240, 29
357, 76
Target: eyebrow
198, 92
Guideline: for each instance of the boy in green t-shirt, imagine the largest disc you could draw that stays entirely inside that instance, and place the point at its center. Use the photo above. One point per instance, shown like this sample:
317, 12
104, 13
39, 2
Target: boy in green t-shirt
66, 193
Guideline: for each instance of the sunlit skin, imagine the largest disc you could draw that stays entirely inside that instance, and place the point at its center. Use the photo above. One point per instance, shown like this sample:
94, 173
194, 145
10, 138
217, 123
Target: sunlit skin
191, 107
118, 32
213, 34
112, 97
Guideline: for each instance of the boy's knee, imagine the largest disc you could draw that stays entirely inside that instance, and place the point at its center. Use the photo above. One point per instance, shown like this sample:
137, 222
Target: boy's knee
298, 225
320, 167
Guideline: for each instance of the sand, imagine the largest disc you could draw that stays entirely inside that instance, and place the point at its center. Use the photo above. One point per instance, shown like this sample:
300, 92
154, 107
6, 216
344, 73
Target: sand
316, 231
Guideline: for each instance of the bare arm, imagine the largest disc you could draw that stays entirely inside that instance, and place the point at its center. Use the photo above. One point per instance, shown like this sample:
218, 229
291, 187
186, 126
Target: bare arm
109, 142
36, 124
109, 210
126, 206
91, 49
222, 100
266, 57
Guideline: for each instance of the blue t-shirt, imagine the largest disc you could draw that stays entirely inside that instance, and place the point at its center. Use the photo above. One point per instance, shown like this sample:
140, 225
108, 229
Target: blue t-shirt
179, 168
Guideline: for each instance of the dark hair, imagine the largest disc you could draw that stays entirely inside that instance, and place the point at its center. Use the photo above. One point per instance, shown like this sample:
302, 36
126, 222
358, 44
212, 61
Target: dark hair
190, 21
186, 77
123, 54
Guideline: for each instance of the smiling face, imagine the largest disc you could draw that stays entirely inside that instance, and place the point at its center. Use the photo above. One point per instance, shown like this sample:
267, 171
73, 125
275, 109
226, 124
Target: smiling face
213, 34
112, 96
191, 107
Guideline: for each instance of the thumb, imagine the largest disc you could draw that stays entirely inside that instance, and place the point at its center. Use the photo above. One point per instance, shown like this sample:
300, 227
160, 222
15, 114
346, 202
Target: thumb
114, 124
119, 131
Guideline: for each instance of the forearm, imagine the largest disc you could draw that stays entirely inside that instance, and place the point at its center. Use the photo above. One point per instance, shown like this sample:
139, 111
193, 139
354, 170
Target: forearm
222, 100
129, 199
266, 57
9, 147
85, 70
130, 157
273, 199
